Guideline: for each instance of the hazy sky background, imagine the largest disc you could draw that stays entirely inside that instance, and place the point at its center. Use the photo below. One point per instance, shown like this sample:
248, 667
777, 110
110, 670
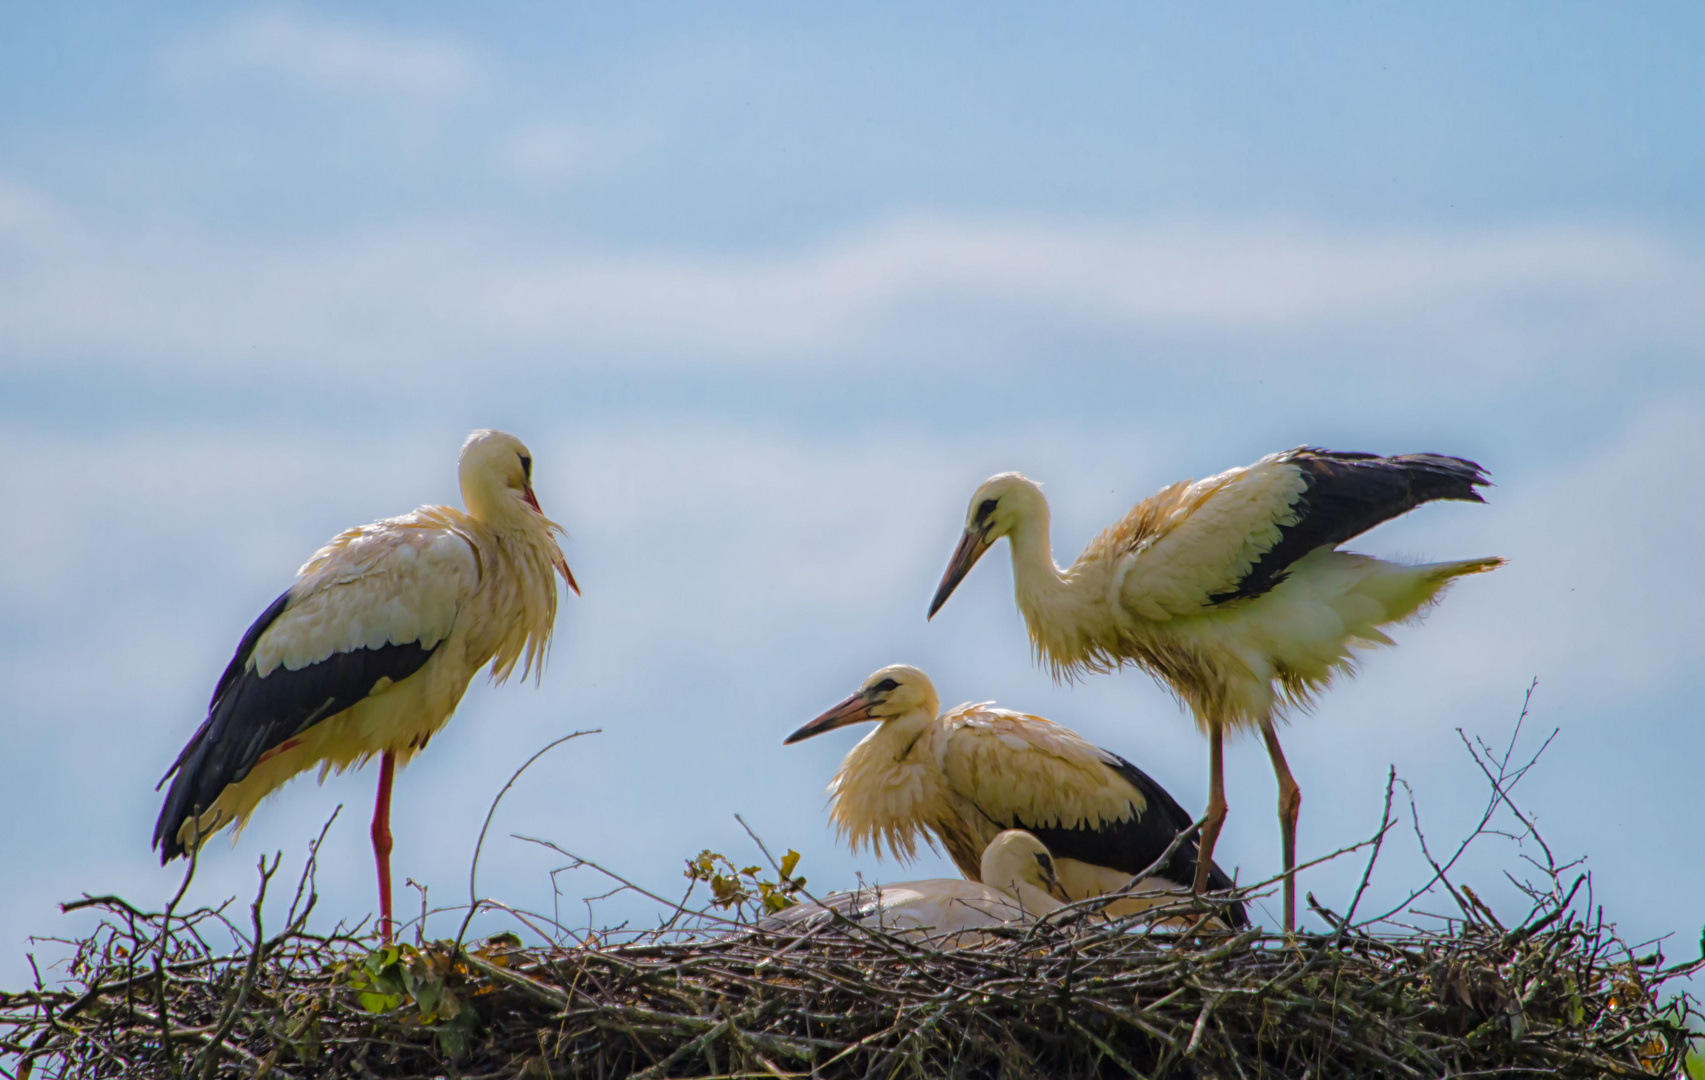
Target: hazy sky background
769, 289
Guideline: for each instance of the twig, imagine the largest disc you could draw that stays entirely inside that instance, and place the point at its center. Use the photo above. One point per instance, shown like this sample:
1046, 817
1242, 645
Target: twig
473, 865
208, 1059
1385, 824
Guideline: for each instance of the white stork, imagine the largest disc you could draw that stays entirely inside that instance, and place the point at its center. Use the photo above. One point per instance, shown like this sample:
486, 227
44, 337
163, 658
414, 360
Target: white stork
371, 648
1229, 590
964, 776
1018, 885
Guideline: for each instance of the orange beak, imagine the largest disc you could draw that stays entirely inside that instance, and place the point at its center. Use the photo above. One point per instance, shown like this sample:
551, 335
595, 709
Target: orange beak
854, 710
970, 549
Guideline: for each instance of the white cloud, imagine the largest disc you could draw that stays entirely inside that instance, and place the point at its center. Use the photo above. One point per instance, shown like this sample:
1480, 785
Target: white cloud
550, 153
326, 55
1485, 305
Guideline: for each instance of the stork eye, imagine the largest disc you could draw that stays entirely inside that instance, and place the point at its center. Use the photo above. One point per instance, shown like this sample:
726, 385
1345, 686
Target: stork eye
985, 508
526, 467
886, 686
1047, 863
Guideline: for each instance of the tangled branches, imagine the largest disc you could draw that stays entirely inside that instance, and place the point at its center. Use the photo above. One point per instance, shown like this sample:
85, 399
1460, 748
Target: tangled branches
1557, 994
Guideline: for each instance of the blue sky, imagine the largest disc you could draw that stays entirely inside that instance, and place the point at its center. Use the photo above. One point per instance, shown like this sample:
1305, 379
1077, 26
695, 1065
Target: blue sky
769, 290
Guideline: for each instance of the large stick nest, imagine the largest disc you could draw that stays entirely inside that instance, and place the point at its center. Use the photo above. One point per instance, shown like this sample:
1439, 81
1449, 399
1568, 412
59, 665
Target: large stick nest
1559, 994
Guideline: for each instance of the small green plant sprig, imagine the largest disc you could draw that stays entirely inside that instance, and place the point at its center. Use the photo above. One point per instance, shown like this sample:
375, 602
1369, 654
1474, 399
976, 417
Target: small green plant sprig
738, 887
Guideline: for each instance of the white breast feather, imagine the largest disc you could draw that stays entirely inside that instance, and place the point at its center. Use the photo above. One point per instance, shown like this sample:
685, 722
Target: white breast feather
878, 800
390, 583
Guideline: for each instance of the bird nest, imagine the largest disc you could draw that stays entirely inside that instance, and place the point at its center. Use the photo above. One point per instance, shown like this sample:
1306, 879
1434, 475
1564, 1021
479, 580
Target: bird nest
1557, 995
708, 992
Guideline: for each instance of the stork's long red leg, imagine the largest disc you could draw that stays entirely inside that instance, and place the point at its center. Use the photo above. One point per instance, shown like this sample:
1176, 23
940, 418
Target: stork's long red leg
382, 841
1216, 810
1290, 804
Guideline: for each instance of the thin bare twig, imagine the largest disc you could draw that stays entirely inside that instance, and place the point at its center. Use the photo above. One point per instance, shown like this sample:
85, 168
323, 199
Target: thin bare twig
474, 863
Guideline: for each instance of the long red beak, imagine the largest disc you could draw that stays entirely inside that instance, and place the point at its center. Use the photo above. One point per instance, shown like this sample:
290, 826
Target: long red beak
532, 499
853, 710
970, 549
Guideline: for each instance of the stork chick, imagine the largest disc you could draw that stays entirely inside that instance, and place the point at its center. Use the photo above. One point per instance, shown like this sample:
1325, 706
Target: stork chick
964, 776
372, 647
1230, 590
1018, 885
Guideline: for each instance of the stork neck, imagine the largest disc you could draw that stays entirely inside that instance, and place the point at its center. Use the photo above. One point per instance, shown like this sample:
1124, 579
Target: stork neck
498, 510
1042, 587
895, 738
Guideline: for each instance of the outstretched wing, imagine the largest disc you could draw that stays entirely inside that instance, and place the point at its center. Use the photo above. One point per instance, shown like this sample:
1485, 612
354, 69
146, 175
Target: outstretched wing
1236, 535
368, 610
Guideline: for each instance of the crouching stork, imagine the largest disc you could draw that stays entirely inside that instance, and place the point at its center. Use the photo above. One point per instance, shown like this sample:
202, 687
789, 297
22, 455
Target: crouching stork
1017, 886
965, 776
370, 650
1229, 590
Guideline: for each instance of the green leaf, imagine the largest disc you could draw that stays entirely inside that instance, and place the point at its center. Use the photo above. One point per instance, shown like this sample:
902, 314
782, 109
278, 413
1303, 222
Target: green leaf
452, 1043
378, 1003
453, 1037
426, 995
788, 862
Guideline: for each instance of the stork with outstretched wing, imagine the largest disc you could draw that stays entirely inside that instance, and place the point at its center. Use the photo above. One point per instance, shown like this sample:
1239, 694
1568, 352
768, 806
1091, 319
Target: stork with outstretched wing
1231, 590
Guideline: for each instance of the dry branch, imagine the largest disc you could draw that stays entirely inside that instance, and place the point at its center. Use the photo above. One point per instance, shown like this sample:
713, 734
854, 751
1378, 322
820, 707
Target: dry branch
1555, 993
1558, 995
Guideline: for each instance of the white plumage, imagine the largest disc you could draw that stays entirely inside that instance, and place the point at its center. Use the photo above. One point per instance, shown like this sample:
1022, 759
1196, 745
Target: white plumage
964, 776
1018, 886
396, 581
1229, 590
370, 650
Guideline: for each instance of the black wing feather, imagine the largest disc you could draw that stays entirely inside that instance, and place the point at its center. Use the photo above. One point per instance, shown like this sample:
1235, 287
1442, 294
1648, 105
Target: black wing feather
250, 715
1348, 494
1132, 845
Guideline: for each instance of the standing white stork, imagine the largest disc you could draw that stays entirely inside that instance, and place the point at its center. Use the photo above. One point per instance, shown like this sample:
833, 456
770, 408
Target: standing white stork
1018, 885
371, 649
964, 776
1229, 590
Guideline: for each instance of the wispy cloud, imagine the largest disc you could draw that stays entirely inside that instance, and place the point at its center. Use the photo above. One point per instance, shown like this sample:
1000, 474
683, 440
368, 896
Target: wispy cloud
1484, 303
554, 152
323, 54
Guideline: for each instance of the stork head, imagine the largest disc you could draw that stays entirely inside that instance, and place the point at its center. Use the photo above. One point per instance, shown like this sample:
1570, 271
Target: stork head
496, 473
895, 691
1018, 864
1004, 503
